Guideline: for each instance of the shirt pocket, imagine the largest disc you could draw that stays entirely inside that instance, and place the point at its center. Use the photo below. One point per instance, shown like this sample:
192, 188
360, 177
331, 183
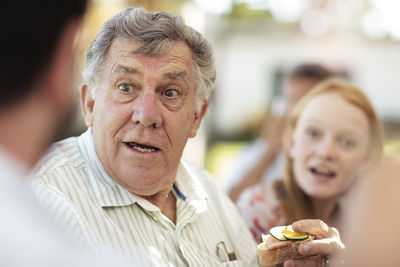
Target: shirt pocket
235, 263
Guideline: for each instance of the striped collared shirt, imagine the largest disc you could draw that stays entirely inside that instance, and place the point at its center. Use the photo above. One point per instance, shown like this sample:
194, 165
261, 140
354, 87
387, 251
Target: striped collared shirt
71, 181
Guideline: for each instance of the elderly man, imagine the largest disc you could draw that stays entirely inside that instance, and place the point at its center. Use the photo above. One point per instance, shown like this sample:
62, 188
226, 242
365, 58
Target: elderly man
147, 81
122, 184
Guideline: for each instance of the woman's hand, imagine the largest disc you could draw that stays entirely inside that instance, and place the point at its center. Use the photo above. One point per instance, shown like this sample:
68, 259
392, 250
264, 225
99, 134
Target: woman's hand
327, 244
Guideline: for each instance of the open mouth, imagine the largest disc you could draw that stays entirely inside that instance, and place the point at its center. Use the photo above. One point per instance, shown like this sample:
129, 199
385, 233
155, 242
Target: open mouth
323, 172
142, 148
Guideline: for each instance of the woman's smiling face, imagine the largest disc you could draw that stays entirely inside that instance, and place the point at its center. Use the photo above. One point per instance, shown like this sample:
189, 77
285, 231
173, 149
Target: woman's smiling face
329, 146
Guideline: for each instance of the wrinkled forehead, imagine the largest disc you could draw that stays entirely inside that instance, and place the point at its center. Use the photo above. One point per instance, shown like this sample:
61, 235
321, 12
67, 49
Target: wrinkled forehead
176, 58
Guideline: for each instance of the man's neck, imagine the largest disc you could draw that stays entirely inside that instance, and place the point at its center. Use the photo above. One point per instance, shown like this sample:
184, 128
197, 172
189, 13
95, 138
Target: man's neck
166, 202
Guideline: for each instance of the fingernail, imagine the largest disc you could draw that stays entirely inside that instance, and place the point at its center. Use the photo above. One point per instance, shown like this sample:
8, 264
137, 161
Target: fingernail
297, 224
304, 249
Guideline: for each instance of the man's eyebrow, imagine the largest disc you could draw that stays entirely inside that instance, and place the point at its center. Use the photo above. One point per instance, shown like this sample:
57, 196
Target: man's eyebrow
125, 69
178, 75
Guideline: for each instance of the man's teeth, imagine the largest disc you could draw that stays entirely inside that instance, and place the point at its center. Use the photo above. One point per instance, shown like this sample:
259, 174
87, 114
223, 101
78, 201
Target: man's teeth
145, 150
142, 148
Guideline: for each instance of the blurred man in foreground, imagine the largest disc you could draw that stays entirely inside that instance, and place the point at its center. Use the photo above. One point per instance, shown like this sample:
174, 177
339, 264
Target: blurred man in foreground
37, 60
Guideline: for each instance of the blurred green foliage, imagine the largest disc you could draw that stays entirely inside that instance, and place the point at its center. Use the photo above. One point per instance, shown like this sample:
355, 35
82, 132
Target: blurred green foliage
221, 155
173, 6
242, 11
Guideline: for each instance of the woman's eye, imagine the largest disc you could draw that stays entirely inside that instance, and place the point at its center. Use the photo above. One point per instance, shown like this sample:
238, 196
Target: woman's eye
348, 143
125, 87
171, 93
311, 133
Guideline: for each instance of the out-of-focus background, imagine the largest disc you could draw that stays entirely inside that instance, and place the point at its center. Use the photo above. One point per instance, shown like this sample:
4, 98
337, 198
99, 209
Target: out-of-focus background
258, 42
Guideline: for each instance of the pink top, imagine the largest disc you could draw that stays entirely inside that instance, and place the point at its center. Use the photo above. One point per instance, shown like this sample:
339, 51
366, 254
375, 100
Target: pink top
263, 207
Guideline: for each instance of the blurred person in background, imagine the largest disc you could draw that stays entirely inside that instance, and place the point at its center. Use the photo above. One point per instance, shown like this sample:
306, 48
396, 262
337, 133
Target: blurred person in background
332, 138
37, 64
262, 160
147, 83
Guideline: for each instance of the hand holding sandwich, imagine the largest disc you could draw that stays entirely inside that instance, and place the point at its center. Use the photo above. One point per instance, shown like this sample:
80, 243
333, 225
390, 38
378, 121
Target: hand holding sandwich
326, 243
304, 243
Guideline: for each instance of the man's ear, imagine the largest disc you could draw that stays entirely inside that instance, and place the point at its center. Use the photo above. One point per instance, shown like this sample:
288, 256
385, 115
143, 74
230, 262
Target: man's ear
59, 82
87, 101
288, 141
198, 117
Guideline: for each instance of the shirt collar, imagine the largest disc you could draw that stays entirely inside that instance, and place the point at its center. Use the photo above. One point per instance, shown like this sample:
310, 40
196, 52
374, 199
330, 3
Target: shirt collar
188, 183
110, 194
107, 192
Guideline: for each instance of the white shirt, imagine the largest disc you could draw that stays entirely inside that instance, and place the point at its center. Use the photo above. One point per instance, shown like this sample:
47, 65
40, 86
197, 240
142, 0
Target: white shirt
108, 215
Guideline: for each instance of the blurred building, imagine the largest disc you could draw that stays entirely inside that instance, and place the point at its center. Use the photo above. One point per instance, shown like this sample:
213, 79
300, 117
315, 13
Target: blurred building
258, 41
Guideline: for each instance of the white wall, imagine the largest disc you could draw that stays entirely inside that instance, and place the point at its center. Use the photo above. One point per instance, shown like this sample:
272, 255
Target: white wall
246, 57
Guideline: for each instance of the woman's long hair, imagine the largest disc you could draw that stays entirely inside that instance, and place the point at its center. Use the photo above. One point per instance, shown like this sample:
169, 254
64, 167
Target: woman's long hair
299, 203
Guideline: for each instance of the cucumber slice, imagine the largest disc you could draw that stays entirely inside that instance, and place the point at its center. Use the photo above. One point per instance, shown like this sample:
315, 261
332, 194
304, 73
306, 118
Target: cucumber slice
290, 234
297, 238
276, 232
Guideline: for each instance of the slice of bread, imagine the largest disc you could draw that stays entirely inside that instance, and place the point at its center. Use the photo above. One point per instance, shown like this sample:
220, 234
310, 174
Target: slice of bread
280, 252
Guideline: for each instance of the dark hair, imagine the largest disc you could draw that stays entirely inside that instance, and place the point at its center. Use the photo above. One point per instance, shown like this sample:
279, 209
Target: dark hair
30, 33
311, 71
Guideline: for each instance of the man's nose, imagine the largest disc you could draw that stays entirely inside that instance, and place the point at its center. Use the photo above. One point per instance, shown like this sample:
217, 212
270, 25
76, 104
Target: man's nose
146, 111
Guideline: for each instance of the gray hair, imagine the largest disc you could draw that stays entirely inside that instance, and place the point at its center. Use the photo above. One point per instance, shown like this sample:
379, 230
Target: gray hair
156, 32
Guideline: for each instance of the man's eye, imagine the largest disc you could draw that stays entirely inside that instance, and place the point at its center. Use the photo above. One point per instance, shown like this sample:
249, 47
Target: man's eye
171, 93
125, 87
